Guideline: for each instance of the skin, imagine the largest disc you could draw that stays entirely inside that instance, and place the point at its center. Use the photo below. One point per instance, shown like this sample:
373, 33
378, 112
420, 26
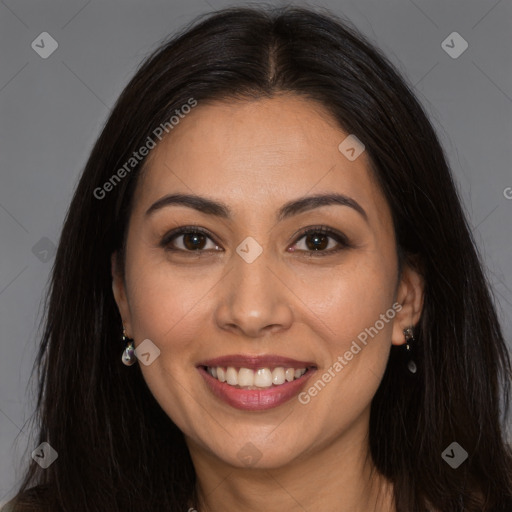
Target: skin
255, 156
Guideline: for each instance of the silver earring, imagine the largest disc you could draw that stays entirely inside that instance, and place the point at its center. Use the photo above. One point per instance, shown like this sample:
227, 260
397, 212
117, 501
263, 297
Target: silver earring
409, 338
128, 358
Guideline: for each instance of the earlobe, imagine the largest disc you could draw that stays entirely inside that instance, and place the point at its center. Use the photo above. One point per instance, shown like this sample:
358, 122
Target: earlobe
410, 297
119, 291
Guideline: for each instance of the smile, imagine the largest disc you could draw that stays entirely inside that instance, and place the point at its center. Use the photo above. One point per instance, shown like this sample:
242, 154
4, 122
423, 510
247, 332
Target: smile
255, 383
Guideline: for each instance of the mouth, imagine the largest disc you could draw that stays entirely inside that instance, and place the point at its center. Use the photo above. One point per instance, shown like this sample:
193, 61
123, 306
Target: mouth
255, 383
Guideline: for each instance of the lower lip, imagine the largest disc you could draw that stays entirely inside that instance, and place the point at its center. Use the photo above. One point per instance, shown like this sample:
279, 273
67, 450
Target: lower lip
255, 399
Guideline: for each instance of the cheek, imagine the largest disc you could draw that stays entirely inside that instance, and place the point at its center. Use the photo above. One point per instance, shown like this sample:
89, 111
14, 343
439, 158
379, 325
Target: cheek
166, 308
164, 301
352, 297
357, 309
361, 315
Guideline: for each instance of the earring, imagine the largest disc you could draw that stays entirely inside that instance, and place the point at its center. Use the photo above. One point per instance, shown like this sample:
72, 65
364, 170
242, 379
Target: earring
409, 337
128, 358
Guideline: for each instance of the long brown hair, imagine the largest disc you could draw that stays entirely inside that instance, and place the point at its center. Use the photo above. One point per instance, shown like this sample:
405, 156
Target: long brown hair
118, 450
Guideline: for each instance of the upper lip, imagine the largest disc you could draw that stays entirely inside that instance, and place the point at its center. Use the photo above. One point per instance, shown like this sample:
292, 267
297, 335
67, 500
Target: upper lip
254, 362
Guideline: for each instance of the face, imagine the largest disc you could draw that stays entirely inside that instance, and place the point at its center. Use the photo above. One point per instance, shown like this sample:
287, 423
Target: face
237, 290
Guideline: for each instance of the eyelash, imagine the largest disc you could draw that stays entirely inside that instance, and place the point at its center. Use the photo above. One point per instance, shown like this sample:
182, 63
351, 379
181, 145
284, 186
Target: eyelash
324, 230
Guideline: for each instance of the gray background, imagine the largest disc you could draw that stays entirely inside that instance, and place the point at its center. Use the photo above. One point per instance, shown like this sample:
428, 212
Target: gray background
53, 109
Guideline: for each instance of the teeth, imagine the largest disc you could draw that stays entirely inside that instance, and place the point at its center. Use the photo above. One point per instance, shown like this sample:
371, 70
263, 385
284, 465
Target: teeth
245, 377
231, 376
261, 378
278, 376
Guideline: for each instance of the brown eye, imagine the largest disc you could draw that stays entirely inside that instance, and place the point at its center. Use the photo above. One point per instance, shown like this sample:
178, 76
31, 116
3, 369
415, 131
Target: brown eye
194, 241
317, 241
188, 240
322, 241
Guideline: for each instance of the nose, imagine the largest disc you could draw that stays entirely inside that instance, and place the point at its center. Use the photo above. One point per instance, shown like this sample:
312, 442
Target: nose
254, 301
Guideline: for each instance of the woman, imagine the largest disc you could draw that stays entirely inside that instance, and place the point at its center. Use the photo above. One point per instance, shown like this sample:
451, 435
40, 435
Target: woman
269, 238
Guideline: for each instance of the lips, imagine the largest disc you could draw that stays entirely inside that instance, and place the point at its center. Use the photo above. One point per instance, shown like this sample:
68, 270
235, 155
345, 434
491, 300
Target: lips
256, 362
255, 382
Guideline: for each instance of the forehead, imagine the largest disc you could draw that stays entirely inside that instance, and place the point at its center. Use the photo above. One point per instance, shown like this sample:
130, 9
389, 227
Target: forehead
258, 152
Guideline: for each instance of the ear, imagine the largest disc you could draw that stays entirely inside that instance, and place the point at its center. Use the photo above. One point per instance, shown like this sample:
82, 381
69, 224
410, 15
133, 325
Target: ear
119, 289
410, 297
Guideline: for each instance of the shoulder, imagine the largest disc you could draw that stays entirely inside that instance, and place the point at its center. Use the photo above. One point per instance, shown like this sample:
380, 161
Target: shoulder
22, 506
29, 500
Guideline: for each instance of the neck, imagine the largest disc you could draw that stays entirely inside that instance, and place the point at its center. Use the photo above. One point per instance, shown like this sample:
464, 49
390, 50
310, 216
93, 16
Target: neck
338, 476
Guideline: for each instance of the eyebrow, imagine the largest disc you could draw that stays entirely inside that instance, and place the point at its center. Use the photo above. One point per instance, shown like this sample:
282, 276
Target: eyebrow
289, 209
